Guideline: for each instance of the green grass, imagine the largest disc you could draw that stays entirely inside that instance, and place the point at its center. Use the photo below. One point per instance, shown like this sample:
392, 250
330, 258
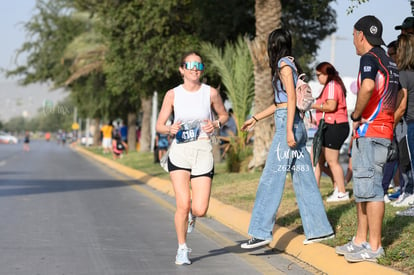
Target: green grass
239, 189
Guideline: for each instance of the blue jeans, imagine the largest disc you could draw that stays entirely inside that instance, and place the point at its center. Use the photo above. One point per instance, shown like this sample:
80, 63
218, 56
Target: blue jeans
280, 160
410, 141
369, 156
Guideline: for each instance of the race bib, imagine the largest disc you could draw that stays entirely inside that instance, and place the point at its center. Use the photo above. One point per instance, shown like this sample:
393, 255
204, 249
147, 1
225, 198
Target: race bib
188, 132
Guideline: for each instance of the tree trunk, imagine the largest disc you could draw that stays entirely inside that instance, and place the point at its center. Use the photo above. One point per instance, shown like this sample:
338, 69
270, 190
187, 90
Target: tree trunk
132, 131
268, 14
145, 140
97, 132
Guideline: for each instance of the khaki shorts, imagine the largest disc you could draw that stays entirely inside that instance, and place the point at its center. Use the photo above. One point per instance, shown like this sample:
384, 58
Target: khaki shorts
107, 142
196, 156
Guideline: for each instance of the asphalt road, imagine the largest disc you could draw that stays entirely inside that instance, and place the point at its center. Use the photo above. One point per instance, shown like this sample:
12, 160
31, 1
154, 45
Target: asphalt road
63, 214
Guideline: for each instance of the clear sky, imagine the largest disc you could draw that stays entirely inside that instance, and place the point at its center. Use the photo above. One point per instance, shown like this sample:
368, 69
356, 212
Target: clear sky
12, 16
390, 12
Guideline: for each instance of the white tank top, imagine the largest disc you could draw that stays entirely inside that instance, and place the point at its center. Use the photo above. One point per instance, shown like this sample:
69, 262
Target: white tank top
190, 106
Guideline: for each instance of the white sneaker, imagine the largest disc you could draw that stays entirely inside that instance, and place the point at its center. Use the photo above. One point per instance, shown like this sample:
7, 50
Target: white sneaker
403, 200
386, 199
334, 194
182, 256
399, 199
338, 197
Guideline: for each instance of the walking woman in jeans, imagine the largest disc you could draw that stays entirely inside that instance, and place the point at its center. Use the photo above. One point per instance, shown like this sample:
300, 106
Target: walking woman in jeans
287, 153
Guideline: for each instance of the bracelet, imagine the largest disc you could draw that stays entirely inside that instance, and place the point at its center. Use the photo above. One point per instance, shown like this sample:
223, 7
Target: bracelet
255, 118
218, 124
355, 119
321, 106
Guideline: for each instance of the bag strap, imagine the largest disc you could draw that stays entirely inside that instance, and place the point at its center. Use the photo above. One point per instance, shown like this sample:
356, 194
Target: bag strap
290, 61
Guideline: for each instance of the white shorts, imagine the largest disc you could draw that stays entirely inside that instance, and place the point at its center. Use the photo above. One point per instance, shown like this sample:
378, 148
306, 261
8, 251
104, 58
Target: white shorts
196, 156
107, 142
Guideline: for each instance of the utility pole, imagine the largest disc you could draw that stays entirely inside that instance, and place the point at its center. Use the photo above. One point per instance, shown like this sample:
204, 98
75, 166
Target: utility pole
154, 118
333, 46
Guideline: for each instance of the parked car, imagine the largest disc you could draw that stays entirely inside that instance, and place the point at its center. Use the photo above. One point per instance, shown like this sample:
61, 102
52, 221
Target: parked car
87, 141
6, 138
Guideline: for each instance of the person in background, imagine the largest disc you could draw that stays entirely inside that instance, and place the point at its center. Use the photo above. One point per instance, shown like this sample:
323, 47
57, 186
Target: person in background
373, 121
107, 131
63, 137
26, 142
123, 130
190, 159
287, 153
393, 167
331, 104
118, 146
228, 130
405, 63
138, 136
162, 141
349, 174
407, 27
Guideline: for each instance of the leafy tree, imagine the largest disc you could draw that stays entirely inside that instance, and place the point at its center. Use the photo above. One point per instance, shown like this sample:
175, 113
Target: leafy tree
135, 47
53, 118
145, 40
308, 26
220, 22
355, 4
16, 125
50, 30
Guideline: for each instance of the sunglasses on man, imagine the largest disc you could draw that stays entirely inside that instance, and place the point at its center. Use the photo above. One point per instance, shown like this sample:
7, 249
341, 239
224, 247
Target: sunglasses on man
193, 64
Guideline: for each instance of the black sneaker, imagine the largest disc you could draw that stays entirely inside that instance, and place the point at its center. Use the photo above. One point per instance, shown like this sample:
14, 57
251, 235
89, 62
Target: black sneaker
253, 243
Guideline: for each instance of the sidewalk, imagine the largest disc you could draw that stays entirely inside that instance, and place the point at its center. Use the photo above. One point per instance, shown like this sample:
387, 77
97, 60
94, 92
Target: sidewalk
318, 255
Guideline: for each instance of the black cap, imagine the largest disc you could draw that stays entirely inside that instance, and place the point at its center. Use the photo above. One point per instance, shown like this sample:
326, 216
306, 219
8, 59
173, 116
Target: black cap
372, 29
408, 23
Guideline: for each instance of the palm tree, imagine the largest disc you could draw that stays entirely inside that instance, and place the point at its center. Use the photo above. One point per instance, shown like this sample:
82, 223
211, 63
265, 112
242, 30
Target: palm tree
235, 67
87, 56
268, 17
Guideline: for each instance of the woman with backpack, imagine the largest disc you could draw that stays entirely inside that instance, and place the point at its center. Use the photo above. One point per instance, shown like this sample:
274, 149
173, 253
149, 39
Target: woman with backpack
287, 153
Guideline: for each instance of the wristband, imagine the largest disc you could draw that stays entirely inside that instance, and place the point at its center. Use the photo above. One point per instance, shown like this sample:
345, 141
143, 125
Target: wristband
355, 119
255, 118
218, 124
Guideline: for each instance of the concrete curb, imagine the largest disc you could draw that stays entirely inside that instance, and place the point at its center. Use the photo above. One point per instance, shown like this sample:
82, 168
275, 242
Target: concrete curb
318, 255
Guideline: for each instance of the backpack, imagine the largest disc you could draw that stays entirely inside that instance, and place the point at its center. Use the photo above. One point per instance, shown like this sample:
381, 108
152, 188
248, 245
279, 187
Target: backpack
304, 98
119, 145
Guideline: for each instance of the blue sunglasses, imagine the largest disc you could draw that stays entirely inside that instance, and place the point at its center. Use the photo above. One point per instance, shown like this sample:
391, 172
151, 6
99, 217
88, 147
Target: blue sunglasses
193, 64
